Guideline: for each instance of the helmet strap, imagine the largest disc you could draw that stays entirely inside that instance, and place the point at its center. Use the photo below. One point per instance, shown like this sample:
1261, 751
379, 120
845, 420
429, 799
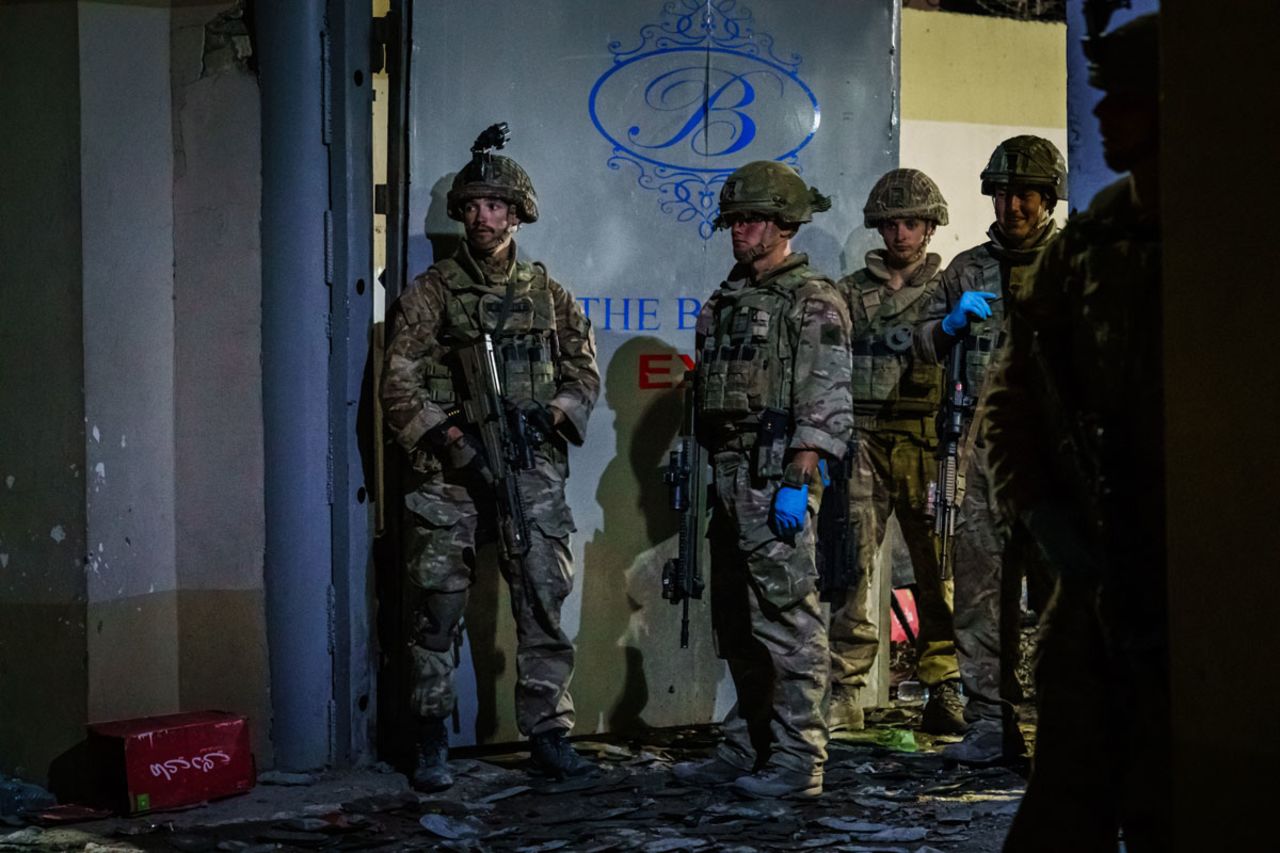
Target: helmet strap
765, 248
919, 253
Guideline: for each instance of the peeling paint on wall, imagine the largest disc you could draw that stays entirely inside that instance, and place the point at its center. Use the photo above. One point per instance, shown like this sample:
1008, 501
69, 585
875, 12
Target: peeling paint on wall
57, 534
95, 563
227, 44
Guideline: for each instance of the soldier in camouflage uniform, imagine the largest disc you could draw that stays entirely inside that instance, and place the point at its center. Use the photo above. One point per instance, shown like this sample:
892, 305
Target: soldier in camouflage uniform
1077, 452
772, 385
895, 401
547, 360
1025, 178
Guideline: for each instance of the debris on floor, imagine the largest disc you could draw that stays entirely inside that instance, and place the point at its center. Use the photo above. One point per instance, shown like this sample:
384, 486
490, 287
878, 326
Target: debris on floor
17, 797
879, 796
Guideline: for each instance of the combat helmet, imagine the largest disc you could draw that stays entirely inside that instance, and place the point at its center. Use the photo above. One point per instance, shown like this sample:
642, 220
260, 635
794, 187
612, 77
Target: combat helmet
493, 176
1031, 161
1127, 58
772, 189
904, 194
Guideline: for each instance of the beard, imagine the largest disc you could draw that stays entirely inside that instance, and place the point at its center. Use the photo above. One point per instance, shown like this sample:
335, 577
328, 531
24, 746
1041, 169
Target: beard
483, 240
747, 254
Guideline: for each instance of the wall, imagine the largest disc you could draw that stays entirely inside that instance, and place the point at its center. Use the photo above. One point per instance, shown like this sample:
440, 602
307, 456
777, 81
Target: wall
968, 82
632, 225
43, 674
127, 216
1090, 173
218, 427
131, 520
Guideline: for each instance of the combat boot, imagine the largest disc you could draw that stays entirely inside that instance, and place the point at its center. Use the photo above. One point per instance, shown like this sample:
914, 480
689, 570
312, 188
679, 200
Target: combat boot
553, 755
775, 783
845, 713
432, 772
709, 772
983, 745
944, 712
987, 743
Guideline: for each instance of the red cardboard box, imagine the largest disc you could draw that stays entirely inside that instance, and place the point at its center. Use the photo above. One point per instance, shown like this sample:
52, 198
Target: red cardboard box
908, 602
173, 760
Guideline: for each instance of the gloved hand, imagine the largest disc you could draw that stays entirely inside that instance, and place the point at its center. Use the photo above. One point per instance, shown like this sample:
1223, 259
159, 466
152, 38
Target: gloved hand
973, 303
789, 506
824, 473
466, 453
540, 418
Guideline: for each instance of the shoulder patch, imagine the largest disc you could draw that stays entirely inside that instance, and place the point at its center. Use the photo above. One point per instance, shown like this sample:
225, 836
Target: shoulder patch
831, 334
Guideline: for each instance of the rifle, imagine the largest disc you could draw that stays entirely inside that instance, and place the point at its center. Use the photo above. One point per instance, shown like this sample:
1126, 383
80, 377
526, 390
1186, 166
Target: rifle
957, 406
507, 438
837, 548
772, 434
681, 575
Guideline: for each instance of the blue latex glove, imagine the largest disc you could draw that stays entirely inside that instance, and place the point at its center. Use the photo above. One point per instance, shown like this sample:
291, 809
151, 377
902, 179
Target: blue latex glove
789, 506
823, 473
973, 303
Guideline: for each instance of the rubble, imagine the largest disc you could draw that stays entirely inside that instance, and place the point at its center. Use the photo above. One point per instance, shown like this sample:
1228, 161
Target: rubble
877, 798
280, 777
17, 797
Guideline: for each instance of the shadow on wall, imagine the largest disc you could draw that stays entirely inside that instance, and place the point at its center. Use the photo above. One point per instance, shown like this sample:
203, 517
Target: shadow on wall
444, 234
853, 255
631, 673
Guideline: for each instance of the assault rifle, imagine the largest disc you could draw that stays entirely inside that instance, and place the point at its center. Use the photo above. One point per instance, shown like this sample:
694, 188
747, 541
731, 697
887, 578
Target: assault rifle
957, 407
507, 438
681, 575
837, 547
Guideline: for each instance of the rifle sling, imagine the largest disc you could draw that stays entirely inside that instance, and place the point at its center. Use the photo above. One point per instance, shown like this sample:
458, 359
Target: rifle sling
504, 313
992, 273
965, 452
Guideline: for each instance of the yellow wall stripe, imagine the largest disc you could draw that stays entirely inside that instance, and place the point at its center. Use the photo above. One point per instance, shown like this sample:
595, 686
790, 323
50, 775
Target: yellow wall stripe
984, 70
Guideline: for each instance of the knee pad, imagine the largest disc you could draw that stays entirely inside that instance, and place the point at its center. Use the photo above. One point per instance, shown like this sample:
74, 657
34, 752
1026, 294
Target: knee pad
436, 619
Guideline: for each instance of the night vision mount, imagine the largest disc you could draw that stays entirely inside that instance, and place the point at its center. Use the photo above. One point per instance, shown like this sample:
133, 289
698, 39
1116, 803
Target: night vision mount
495, 137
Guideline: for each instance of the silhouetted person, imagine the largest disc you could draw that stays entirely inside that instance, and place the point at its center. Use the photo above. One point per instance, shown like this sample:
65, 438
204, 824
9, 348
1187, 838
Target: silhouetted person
1077, 434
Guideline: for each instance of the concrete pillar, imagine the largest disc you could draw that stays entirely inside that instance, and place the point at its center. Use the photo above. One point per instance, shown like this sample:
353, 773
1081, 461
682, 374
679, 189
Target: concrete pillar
295, 361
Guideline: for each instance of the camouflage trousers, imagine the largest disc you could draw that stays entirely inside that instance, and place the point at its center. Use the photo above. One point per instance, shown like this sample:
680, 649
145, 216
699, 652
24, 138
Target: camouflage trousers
1103, 737
769, 625
990, 560
895, 465
446, 518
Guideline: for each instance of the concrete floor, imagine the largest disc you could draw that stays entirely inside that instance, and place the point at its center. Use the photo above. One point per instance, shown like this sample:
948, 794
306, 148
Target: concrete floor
878, 797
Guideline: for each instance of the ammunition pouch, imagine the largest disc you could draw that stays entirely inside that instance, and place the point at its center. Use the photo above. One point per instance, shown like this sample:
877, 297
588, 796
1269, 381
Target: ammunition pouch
773, 432
887, 380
